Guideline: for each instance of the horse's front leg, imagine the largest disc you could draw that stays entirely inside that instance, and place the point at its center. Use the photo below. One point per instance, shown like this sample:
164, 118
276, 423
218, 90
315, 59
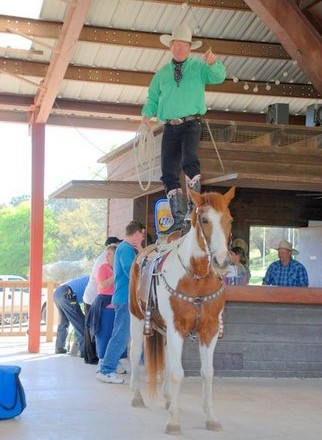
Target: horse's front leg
175, 376
166, 379
135, 357
207, 372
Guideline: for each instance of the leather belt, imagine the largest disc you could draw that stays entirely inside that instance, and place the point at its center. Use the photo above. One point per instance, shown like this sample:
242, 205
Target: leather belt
178, 121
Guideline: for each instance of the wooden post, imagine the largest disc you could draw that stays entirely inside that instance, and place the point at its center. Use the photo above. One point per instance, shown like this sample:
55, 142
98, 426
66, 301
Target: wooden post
36, 234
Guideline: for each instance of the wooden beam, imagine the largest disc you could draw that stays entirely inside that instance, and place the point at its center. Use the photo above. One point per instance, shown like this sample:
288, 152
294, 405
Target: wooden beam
290, 26
273, 294
234, 5
130, 38
104, 189
150, 40
64, 50
110, 123
36, 234
13, 107
143, 79
253, 180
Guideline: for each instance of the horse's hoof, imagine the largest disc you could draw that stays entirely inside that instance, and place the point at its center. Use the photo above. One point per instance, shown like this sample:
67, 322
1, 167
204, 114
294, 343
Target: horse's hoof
173, 429
213, 426
138, 403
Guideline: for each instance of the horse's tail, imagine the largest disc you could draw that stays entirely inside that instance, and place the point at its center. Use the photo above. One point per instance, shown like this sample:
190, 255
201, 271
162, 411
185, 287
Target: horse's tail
154, 359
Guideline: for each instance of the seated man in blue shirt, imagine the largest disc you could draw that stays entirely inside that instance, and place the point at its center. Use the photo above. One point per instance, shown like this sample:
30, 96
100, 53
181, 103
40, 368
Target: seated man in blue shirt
286, 271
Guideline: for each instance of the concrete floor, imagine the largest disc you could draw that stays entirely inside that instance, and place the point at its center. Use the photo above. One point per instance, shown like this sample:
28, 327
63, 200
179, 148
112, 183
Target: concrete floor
66, 402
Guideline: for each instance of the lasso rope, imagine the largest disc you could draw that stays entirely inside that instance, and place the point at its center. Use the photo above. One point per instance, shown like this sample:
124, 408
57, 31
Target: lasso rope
144, 153
215, 146
186, 4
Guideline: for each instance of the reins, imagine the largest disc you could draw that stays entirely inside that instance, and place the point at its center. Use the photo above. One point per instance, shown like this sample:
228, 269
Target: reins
209, 253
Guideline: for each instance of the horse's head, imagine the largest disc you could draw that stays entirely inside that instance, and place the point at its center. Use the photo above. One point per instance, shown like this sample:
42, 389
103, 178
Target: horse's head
212, 221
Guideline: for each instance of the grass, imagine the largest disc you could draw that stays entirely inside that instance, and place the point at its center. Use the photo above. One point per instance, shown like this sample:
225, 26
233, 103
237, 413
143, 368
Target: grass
257, 269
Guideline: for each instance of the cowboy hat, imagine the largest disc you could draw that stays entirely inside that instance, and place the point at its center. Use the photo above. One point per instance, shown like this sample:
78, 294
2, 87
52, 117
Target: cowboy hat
284, 244
181, 33
239, 242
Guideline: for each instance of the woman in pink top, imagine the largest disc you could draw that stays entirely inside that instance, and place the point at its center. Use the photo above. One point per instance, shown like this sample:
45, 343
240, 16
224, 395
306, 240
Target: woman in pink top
105, 277
105, 286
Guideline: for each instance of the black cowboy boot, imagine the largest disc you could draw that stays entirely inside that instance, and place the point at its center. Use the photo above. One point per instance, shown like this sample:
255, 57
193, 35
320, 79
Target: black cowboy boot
195, 184
178, 210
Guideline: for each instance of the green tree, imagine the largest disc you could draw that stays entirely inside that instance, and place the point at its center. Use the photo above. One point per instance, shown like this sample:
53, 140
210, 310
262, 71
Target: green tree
74, 230
15, 238
81, 228
16, 201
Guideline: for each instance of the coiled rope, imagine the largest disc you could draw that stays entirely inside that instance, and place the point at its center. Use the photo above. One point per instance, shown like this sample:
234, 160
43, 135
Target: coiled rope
144, 154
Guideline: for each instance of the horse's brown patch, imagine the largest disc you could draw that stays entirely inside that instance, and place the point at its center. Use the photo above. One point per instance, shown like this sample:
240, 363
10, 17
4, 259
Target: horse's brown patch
185, 313
134, 291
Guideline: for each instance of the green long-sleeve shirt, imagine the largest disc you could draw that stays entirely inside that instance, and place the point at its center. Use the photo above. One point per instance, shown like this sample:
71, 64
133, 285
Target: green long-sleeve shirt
166, 100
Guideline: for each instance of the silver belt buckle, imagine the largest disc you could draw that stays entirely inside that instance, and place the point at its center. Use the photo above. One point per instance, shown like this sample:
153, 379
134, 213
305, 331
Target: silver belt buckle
176, 121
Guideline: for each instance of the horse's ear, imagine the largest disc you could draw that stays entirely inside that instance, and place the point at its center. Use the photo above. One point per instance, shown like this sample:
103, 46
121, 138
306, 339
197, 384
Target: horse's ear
195, 197
230, 195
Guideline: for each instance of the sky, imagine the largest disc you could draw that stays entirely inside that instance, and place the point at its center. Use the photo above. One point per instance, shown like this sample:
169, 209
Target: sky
19, 8
70, 153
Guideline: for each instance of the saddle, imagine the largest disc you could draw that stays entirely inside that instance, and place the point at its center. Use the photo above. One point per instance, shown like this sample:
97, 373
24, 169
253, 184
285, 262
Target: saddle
150, 263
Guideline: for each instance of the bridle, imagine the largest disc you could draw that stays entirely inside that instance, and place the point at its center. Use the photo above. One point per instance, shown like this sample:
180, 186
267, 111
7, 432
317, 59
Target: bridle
208, 251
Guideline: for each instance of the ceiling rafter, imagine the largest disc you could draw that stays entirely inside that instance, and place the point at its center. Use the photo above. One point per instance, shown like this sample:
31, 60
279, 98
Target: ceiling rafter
236, 5
45, 97
143, 79
106, 110
291, 27
99, 35
39, 30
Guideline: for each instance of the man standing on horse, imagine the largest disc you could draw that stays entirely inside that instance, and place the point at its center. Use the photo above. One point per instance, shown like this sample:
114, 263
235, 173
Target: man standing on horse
176, 96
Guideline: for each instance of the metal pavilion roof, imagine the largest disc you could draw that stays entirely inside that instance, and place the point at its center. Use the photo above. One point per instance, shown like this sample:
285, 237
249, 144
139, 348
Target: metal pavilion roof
118, 49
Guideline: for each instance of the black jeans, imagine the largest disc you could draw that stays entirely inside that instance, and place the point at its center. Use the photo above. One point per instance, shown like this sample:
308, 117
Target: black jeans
90, 346
179, 151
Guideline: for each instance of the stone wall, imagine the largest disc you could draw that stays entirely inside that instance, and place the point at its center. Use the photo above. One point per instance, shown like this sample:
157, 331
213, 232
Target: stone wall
265, 340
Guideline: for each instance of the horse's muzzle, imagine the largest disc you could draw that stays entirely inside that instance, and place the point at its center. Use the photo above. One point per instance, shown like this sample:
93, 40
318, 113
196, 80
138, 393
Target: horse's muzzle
226, 262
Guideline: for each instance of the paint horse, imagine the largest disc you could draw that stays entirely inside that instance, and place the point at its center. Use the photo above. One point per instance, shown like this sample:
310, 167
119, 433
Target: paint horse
177, 293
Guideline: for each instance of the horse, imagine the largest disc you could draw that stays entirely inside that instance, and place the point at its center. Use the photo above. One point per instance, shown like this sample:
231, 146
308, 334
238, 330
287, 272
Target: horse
176, 293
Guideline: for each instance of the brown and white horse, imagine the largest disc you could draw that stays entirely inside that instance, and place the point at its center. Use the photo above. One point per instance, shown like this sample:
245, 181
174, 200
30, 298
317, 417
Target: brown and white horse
187, 298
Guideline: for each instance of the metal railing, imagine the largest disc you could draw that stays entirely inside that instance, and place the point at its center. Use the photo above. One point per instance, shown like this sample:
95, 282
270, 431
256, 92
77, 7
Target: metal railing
14, 308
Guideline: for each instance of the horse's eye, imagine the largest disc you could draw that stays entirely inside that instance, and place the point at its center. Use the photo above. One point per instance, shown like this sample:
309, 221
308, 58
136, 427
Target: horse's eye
204, 221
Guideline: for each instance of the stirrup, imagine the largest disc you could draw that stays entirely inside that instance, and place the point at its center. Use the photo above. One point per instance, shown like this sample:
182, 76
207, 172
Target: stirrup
186, 227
